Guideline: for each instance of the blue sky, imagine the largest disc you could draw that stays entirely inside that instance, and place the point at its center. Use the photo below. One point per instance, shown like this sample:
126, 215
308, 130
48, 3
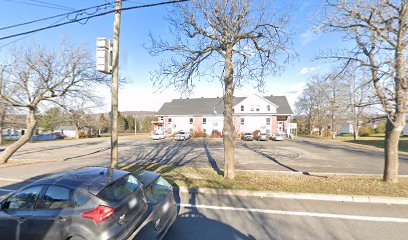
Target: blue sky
136, 63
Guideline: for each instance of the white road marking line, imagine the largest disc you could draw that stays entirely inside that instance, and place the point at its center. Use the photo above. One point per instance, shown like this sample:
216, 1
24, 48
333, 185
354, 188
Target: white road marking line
11, 179
6, 190
295, 213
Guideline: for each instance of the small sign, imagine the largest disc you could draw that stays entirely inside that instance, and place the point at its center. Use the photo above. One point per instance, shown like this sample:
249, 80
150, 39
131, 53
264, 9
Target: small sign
104, 55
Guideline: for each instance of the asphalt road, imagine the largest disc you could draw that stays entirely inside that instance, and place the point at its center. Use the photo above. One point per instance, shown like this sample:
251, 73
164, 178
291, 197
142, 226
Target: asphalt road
211, 216
207, 216
300, 155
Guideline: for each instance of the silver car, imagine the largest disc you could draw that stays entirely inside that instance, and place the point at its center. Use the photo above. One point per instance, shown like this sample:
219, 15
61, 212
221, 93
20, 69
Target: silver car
263, 137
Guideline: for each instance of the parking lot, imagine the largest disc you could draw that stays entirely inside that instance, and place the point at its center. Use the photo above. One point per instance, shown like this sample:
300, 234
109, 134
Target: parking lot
300, 155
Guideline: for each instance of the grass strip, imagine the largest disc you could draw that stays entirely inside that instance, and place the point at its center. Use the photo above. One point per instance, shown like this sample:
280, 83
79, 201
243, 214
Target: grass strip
277, 182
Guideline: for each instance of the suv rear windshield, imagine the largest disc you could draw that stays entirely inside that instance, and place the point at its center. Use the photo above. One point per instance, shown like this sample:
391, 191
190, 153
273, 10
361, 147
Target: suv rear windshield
120, 189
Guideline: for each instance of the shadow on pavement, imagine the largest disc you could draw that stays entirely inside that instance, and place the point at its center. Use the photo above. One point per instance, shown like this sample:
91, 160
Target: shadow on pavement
191, 224
211, 160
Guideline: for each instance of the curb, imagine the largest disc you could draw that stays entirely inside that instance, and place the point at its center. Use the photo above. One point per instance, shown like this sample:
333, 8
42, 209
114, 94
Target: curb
299, 196
16, 162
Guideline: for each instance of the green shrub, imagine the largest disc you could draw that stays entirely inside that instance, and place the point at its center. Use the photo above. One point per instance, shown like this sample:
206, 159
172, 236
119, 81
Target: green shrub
366, 130
381, 127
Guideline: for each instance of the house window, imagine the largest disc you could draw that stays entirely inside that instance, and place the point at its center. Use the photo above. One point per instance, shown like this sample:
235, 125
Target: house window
252, 108
268, 121
191, 120
204, 121
268, 107
257, 108
169, 120
242, 108
242, 121
161, 118
204, 130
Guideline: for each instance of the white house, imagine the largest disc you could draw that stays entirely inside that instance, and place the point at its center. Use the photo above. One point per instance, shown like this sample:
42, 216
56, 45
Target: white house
347, 128
12, 134
68, 131
269, 114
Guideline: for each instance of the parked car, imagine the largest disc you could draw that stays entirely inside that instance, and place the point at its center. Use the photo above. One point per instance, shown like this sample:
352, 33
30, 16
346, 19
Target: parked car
157, 136
90, 203
263, 137
278, 137
248, 137
181, 136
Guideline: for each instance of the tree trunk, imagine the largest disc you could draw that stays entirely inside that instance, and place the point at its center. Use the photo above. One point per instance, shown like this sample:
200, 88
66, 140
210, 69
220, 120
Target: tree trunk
355, 132
2, 117
31, 122
332, 127
392, 135
1, 133
77, 133
229, 129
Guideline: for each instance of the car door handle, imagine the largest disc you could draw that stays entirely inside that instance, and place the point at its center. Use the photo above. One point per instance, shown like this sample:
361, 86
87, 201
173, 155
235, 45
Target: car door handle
61, 219
21, 220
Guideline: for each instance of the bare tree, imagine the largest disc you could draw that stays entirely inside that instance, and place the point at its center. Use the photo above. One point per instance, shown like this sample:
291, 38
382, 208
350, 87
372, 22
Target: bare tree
333, 92
379, 30
360, 97
231, 40
37, 76
313, 103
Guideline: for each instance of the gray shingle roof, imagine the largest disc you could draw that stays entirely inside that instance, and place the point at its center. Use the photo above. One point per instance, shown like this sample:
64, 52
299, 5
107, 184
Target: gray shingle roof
202, 106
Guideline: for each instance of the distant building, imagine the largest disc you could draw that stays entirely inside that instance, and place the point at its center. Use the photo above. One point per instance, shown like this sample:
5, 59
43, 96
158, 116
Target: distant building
347, 128
12, 134
68, 131
269, 114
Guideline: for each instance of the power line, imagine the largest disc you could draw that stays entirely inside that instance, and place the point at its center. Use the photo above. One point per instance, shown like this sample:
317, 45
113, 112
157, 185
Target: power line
89, 17
39, 5
55, 16
53, 4
24, 37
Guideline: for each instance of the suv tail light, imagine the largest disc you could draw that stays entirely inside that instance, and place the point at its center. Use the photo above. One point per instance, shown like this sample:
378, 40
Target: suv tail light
99, 214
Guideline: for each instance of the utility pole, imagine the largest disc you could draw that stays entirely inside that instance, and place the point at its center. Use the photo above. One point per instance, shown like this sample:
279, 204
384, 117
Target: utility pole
115, 80
2, 105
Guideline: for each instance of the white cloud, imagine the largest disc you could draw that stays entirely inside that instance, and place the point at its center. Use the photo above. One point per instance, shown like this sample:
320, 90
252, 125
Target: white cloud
307, 37
308, 70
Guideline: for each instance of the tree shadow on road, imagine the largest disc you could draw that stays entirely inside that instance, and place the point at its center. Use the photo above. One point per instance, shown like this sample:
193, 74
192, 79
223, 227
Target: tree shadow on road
211, 160
278, 162
191, 224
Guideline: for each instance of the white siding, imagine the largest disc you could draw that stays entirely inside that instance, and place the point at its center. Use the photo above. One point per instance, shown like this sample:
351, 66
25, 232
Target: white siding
347, 128
252, 123
179, 123
254, 103
213, 123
